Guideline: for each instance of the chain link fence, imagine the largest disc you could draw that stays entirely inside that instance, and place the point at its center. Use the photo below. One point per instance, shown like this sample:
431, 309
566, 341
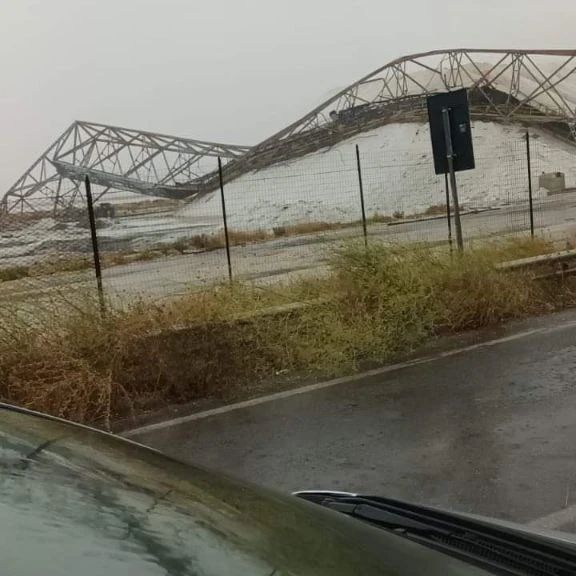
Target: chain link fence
283, 221
44, 254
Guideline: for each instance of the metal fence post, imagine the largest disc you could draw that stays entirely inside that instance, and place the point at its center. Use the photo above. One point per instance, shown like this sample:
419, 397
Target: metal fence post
95, 250
530, 200
452, 173
448, 215
225, 219
364, 227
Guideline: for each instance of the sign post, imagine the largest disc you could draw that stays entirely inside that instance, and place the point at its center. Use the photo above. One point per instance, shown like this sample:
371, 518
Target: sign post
450, 131
448, 213
453, 185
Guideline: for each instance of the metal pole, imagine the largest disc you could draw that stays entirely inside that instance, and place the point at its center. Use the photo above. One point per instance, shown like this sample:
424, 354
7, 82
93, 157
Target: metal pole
225, 219
530, 202
95, 250
453, 185
448, 215
361, 196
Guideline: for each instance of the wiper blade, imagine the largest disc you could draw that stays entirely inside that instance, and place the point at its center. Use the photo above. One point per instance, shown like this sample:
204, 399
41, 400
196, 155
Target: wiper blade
509, 551
380, 516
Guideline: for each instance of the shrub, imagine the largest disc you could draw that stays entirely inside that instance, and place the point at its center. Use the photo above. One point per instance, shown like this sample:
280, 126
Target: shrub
377, 303
14, 273
436, 209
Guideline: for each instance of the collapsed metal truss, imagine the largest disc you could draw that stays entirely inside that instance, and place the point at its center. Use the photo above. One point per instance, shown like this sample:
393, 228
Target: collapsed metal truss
115, 159
532, 86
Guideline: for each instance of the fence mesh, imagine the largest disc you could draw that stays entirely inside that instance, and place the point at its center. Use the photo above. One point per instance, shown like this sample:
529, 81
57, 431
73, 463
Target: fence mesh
43, 254
161, 248
284, 220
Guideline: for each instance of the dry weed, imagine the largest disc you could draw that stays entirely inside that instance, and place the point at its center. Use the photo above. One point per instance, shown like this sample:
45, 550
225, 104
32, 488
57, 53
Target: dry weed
67, 359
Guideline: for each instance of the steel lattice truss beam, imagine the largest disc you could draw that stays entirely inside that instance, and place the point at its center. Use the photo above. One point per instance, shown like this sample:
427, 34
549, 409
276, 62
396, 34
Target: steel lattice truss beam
534, 86
531, 86
116, 159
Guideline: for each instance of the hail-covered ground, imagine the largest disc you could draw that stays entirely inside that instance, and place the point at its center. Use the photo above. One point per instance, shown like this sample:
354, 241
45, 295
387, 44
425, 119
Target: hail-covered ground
398, 178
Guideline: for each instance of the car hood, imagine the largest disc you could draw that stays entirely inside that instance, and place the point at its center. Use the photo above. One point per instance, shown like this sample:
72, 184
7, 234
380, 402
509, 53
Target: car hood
74, 500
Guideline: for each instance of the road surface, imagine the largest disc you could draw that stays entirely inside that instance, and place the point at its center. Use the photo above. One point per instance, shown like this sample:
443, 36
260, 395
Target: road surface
488, 429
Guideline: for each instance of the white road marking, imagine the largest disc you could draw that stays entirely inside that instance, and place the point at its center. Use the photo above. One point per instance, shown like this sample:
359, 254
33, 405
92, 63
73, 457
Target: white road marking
337, 381
556, 519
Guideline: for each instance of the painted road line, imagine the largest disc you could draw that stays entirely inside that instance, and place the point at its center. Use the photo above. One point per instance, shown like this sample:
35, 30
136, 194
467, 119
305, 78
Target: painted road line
337, 381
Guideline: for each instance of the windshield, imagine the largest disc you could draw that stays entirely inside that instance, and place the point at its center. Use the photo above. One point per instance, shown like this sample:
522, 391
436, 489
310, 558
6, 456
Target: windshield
310, 246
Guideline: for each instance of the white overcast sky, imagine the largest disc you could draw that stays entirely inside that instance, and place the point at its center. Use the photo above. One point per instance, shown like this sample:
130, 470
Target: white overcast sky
226, 70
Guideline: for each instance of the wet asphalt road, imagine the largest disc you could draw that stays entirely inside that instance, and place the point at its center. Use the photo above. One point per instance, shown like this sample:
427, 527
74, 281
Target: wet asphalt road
490, 431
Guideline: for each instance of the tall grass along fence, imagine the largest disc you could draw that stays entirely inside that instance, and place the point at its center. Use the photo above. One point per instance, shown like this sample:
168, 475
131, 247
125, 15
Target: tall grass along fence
374, 304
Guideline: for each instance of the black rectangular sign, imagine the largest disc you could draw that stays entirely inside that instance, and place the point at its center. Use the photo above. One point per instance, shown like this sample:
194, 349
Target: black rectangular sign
457, 104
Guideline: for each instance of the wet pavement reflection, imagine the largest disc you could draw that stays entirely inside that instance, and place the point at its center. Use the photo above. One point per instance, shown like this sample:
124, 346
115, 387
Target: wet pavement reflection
490, 431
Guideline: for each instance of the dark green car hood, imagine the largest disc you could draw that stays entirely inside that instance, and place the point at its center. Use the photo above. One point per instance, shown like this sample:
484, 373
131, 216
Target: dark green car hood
74, 501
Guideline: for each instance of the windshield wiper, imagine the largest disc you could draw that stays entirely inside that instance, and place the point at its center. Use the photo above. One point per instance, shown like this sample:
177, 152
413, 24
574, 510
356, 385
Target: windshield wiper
507, 550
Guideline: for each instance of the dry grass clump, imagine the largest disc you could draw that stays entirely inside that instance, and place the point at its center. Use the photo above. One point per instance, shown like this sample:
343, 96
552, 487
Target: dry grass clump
64, 264
311, 227
436, 209
380, 218
11, 273
217, 241
46, 361
65, 358
417, 291
321, 226
45, 268
54, 265
471, 293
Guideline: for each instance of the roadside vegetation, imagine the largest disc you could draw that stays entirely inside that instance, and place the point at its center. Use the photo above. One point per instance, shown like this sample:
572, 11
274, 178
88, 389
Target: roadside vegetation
375, 305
